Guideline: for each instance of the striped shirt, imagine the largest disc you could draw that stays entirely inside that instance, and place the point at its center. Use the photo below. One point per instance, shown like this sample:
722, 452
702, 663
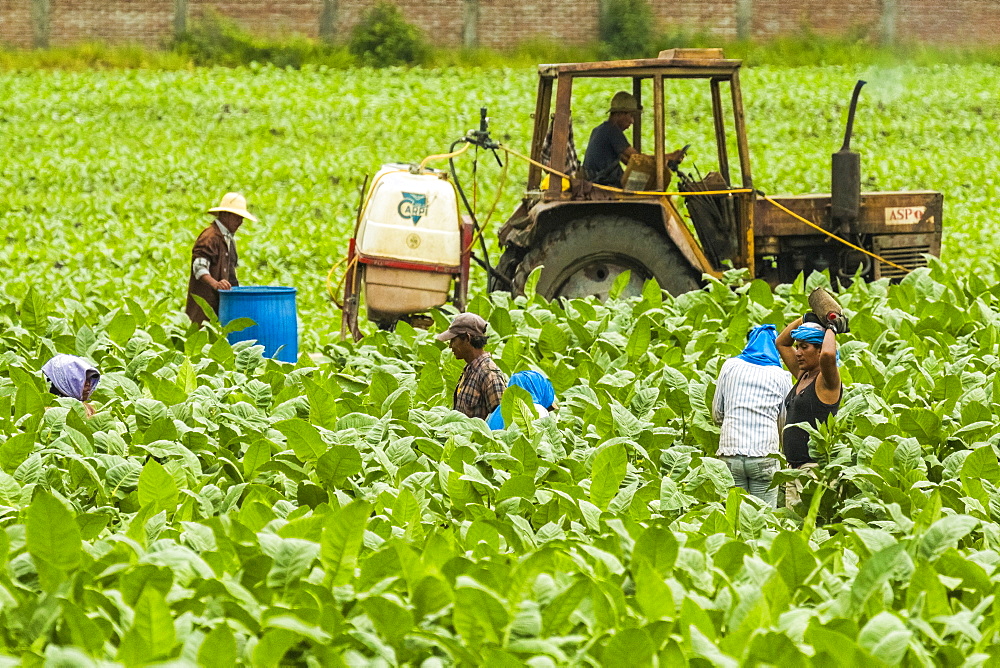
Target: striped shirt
748, 400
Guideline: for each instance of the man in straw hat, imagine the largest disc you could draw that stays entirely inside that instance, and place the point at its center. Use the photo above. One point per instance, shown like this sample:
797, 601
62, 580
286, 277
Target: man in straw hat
214, 258
481, 385
608, 148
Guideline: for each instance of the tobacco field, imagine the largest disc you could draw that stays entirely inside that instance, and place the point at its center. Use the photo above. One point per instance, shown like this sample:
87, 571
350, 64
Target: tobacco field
224, 509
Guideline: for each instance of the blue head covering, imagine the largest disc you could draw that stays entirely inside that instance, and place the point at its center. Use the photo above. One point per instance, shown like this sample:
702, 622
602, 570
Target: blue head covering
810, 332
760, 349
538, 386
813, 333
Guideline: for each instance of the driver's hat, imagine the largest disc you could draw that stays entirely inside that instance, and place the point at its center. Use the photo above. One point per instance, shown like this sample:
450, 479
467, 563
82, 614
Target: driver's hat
623, 101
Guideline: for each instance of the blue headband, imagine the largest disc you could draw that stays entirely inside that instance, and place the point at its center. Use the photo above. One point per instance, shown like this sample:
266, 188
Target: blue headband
809, 332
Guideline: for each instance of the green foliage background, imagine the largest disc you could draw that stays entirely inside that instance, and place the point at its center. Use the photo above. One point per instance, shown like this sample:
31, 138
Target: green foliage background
383, 38
223, 508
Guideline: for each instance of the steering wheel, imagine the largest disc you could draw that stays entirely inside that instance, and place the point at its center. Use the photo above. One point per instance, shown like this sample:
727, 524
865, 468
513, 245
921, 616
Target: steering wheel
672, 165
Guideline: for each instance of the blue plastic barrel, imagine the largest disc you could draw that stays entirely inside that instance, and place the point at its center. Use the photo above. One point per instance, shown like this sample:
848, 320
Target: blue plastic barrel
272, 307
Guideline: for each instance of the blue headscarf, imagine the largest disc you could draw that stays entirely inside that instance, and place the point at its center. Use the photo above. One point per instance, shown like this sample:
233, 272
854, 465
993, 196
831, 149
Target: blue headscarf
538, 386
761, 349
810, 332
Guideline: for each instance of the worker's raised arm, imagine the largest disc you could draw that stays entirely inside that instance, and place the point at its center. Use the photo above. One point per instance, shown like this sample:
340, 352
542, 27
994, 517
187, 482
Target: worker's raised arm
785, 346
829, 374
627, 153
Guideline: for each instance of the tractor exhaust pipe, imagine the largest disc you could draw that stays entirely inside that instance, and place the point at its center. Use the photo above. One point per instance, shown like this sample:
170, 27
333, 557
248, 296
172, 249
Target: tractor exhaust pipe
845, 186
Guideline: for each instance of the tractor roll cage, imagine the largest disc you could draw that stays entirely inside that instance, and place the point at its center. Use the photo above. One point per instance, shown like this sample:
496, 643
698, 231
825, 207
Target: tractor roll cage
673, 64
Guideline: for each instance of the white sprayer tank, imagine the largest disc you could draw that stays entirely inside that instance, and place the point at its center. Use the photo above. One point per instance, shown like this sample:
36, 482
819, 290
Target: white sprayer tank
410, 219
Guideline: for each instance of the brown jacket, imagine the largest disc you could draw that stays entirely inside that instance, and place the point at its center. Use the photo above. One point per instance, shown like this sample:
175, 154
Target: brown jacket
212, 246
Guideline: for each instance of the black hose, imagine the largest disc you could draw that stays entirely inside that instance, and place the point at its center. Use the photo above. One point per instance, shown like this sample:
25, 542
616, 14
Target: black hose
475, 223
492, 272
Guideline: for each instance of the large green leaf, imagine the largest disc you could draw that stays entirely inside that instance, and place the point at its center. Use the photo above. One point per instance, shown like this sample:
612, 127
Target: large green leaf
341, 541
35, 312
628, 647
154, 623
303, 438
638, 341
392, 620
337, 464
218, 649
121, 327
874, 572
944, 534
157, 487
607, 473
52, 533
478, 616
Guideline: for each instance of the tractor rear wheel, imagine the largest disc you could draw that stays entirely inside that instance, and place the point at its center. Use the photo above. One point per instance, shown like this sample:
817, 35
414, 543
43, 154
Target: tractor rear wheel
585, 256
506, 267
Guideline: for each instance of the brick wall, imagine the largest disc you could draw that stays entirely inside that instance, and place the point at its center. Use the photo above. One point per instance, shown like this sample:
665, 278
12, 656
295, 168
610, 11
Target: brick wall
505, 23
273, 17
716, 18
147, 22
951, 22
15, 23
441, 20
773, 18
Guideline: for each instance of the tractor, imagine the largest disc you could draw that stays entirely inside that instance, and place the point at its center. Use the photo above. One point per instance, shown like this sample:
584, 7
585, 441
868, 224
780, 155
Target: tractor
412, 250
584, 237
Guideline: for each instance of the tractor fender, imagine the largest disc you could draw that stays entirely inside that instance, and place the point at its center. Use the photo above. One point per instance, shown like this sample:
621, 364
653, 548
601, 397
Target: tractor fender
545, 217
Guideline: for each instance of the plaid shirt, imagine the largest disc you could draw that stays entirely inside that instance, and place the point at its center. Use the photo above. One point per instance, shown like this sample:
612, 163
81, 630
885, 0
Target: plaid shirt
480, 387
572, 161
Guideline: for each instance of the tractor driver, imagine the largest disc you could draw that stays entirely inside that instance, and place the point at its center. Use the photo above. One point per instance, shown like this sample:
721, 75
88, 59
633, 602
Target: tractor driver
608, 148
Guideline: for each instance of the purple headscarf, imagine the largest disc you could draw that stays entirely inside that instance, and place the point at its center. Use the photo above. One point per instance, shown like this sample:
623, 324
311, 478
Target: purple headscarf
69, 373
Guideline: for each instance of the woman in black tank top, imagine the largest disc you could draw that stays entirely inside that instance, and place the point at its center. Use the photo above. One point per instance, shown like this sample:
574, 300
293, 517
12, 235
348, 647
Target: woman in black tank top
810, 352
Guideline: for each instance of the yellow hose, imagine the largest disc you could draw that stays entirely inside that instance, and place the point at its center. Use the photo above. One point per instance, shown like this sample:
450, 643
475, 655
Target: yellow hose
444, 156
493, 207
329, 287
835, 237
651, 193
715, 192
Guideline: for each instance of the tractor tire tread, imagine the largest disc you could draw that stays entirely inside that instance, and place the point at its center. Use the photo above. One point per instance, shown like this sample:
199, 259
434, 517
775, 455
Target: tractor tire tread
597, 233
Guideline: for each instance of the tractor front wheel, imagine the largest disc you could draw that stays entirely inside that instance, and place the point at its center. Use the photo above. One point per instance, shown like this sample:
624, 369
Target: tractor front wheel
584, 257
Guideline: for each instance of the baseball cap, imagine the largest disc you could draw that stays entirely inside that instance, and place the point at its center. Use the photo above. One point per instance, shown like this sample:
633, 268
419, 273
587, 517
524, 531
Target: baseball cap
464, 323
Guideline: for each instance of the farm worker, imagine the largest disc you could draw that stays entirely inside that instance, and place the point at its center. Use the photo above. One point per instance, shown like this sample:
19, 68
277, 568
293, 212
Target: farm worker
748, 396
543, 395
482, 383
608, 148
214, 258
73, 377
809, 350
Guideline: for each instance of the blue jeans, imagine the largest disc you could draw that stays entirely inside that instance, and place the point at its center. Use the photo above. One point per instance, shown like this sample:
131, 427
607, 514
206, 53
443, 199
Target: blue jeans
754, 474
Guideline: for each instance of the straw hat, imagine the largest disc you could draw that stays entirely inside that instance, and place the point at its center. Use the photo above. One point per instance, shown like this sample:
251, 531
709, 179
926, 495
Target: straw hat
234, 203
623, 101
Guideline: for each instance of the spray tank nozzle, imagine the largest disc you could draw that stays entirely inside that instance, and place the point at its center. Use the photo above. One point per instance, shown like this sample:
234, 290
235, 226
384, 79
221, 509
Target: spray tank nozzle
481, 137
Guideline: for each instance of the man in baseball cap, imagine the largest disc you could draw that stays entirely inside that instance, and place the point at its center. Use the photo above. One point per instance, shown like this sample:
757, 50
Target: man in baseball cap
214, 258
481, 385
